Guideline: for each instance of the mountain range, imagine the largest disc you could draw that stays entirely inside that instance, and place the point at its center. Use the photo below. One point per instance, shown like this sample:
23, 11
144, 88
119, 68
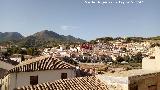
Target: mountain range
38, 38
10, 36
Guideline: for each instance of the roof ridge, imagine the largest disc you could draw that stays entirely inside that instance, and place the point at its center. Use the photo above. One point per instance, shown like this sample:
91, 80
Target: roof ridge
33, 60
46, 63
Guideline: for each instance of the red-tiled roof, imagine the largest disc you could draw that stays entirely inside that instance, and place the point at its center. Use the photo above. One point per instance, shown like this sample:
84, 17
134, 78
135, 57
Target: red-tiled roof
3, 72
80, 83
47, 63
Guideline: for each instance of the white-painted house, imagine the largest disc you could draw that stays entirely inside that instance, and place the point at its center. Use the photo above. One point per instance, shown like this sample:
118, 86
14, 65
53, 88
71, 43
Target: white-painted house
36, 71
153, 61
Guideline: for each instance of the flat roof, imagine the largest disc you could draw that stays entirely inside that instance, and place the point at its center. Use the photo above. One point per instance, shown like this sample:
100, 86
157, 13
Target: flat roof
130, 73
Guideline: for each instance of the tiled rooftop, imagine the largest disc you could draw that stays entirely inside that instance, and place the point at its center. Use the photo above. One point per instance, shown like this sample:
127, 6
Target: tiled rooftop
2, 72
80, 83
41, 63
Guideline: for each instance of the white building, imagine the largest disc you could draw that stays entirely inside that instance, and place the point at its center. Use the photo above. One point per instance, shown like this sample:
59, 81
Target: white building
147, 78
153, 61
36, 71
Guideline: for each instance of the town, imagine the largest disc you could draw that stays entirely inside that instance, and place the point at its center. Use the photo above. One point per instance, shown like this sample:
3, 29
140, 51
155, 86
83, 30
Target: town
79, 45
103, 64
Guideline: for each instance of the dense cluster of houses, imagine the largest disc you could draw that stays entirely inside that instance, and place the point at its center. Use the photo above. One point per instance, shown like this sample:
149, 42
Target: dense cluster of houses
110, 50
3, 49
50, 73
86, 52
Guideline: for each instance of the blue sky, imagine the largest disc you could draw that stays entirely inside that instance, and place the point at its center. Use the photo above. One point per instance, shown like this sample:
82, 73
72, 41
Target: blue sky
79, 19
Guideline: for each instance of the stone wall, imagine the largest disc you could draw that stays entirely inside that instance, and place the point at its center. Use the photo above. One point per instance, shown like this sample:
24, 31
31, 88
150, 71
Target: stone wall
144, 81
136, 82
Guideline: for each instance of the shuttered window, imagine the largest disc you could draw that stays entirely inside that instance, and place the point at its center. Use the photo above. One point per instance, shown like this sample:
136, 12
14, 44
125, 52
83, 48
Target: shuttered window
33, 80
63, 75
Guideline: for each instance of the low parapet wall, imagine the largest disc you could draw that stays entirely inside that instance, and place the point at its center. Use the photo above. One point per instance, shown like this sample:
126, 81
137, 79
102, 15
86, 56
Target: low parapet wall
114, 83
140, 81
150, 64
145, 80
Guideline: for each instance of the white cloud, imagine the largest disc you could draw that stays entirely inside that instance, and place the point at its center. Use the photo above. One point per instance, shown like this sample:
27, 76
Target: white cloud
65, 27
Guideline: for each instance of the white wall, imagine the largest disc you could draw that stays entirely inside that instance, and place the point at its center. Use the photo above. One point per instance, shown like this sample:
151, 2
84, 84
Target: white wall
152, 64
23, 78
5, 83
16, 59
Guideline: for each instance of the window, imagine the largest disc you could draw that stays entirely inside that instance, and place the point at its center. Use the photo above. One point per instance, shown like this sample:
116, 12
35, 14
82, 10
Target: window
64, 76
152, 57
152, 87
33, 80
134, 88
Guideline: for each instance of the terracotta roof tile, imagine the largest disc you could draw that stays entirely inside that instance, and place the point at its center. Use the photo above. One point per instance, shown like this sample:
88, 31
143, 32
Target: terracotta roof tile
80, 83
47, 63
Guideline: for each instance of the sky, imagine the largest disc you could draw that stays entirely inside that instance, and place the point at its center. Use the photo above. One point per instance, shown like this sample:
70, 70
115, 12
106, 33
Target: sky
80, 18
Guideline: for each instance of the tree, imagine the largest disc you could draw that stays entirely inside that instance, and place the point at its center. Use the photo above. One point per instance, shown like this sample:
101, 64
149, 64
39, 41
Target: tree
104, 39
93, 42
67, 47
128, 40
155, 44
119, 59
22, 57
30, 51
5, 54
137, 58
10, 51
69, 60
124, 49
127, 58
24, 52
15, 50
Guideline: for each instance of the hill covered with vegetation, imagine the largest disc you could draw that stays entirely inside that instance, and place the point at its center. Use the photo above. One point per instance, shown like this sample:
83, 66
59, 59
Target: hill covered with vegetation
39, 39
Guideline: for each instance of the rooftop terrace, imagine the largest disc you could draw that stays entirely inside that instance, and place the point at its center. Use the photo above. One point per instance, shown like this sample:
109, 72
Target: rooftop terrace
130, 73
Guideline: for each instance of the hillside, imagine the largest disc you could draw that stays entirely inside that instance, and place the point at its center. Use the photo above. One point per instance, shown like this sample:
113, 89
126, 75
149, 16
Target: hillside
7, 36
126, 39
155, 38
39, 39
45, 38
